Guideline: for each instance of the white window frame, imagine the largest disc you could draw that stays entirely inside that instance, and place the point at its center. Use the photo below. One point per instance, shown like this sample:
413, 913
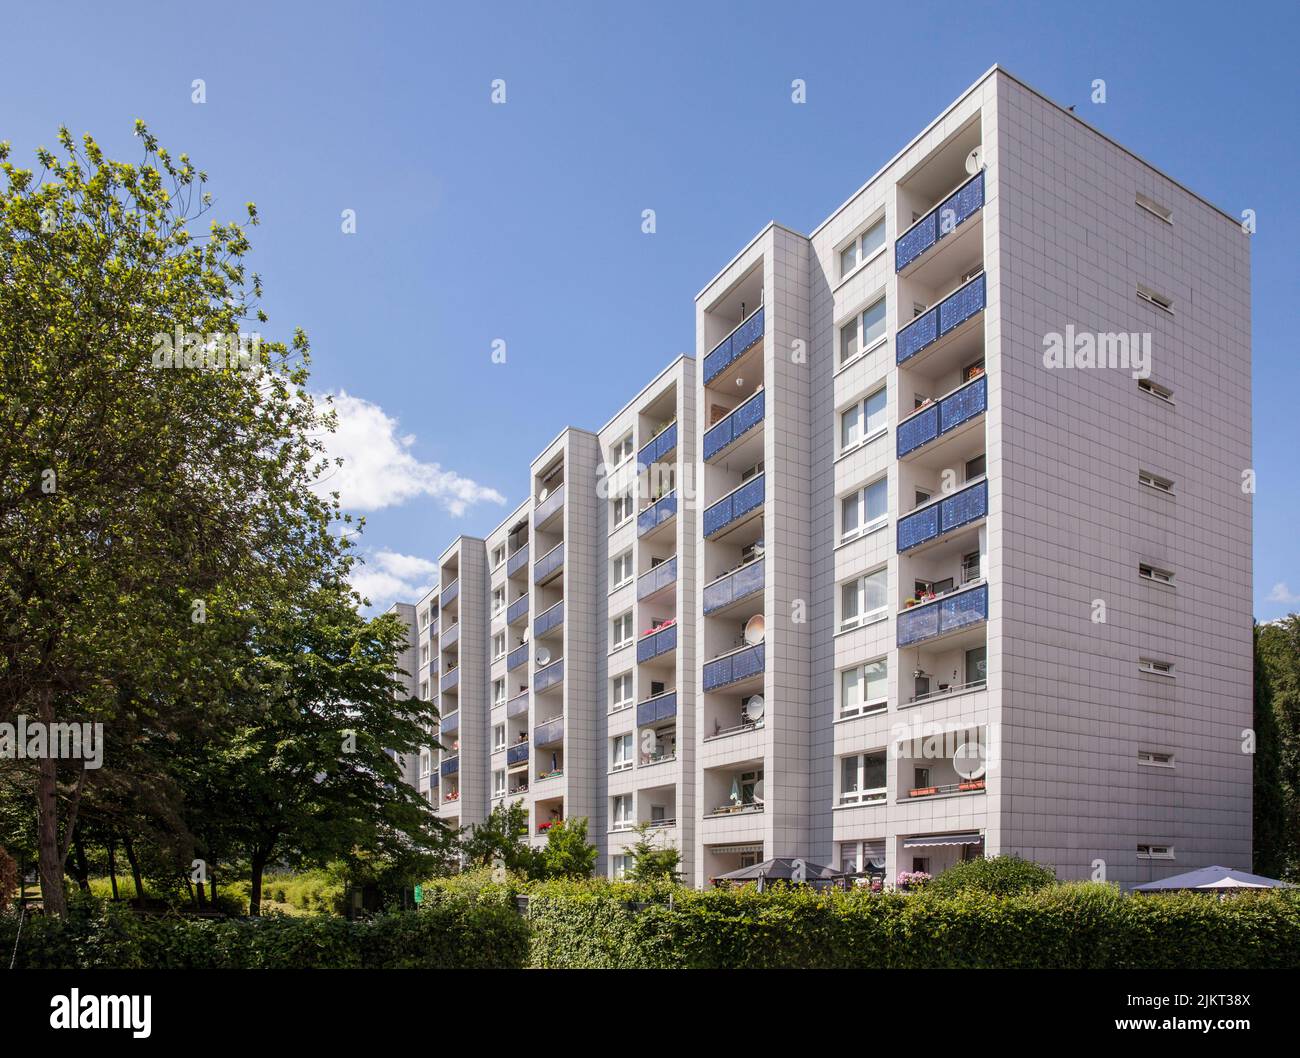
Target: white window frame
621, 632
424, 618
621, 819
618, 866
1156, 758
498, 599
622, 752
622, 450
861, 255
1155, 574
1155, 851
498, 556
865, 434
499, 783
498, 646
424, 690
863, 796
499, 691
620, 560
622, 508
498, 737
863, 616
616, 687
1156, 667
863, 527
867, 706
426, 763
859, 331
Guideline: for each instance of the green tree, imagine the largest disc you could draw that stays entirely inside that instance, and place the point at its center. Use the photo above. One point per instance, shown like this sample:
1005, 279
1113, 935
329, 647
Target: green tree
568, 854
653, 862
502, 840
1277, 747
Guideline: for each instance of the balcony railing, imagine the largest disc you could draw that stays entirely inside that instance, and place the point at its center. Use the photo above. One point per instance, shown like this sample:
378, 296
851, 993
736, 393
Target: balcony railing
735, 585
950, 313
517, 754
657, 578
518, 705
734, 505
450, 724
549, 506
935, 420
967, 786
549, 733
661, 641
517, 561
660, 707
517, 657
733, 346
656, 514
549, 618
549, 564
948, 691
450, 635
660, 445
735, 729
433, 628
450, 593
450, 680
451, 767
738, 665
549, 676
943, 516
517, 609
941, 221
948, 613
743, 418
736, 809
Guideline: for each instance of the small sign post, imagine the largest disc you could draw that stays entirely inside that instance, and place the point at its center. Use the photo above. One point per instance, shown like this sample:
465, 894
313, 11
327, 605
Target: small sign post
419, 894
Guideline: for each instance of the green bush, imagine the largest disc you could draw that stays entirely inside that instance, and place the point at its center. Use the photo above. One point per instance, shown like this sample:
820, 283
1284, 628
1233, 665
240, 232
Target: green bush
999, 875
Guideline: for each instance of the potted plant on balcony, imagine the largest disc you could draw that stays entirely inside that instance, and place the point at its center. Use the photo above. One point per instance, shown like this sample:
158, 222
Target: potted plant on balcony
911, 881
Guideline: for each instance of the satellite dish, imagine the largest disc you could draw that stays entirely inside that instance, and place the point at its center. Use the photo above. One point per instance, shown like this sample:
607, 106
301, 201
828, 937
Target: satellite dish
543, 656
758, 792
755, 707
523, 638
543, 494
754, 630
968, 761
975, 161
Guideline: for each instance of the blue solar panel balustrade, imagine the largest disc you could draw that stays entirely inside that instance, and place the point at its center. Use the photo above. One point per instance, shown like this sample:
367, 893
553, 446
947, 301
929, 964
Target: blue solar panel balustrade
449, 593
553, 502
549, 563
517, 561
449, 724
723, 592
450, 679
517, 609
739, 422
954, 310
657, 578
516, 754
518, 705
660, 642
548, 733
451, 767
916, 240
917, 430
549, 676
952, 512
658, 447
944, 615
958, 407
517, 657
733, 506
656, 515
733, 667
549, 619
732, 347
653, 710
940, 222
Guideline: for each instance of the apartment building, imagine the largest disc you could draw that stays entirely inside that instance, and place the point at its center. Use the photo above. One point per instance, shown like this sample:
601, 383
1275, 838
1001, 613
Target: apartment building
938, 547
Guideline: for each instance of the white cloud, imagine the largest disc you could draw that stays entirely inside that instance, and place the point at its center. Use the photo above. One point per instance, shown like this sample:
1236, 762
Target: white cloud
379, 469
1281, 593
389, 577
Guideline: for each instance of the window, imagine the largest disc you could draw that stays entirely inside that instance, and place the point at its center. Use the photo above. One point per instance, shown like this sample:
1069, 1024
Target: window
618, 867
862, 599
424, 618
621, 570
498, 555
977, 665
1155, 208
621, 753
1155, 852
498, 599
1156, 390
424, 653
970, 567
1156, 667
863, 421
1148, 572
863, 331
498, 646
1160, 301
621, 632
622, 814
862, 778
862, 248
424, 690
622, 508
498, 737
864, 510
1155, 758
751, 783
499, 692
864, 688
621, 452
975, 467
620, 693
1155, 481
498, 784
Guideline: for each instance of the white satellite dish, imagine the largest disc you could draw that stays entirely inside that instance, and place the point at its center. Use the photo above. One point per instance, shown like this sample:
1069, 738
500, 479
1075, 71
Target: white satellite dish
523, 638
543, 494
543, 656
758, 792
755, 707
968, 761
754, 629
975, 161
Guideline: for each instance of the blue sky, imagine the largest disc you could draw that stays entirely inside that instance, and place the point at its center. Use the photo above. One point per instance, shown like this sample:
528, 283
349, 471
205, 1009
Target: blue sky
522, 222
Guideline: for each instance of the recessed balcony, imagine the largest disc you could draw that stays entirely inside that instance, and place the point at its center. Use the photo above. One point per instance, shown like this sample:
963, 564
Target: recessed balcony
549, 732
450, 765
517, 561
549, 508
518, 705
450, 593
734, 587
734, 346
738, 423
734, 667
940, 321
948, 613
450, 680
517, 658
550, 676
517, 610
941, 418
942, 516
657, 578
517, 754
659, 447
657, 642
942, 222
548, 620
735, 508
450, 635
657, 709
656, 516
550, 565
449, 724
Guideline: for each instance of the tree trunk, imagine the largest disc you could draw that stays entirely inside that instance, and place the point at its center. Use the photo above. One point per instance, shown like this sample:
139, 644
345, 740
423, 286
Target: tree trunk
135, 869
81, 869
50, 863
255, 890
112, 866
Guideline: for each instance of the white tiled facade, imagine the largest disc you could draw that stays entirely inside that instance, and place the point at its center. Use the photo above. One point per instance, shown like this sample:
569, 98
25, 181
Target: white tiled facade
890, 590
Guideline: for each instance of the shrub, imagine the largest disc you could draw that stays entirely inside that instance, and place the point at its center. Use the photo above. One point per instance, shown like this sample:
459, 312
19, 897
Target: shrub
998, 875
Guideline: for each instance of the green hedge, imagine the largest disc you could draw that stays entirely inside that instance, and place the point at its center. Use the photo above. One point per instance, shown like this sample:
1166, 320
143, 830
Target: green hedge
448, 933
1067, 926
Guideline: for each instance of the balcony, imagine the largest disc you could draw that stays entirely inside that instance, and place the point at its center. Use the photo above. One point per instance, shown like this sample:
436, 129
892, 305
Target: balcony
548, 508
948, 613
652, 710
518, 705
736, 505
940, 222
736, 425
450, 680
517, 657
517, 561
968, 786
660, 445
449, 594
450, 635
451, 766
734, 667
657, 578
449, 724
657, 514
937, 517
549, 676
942, 319
517, 754
963, 404
662, 640
549, 732
548, 620
517, 609
734, 586
734, 346
550, 565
